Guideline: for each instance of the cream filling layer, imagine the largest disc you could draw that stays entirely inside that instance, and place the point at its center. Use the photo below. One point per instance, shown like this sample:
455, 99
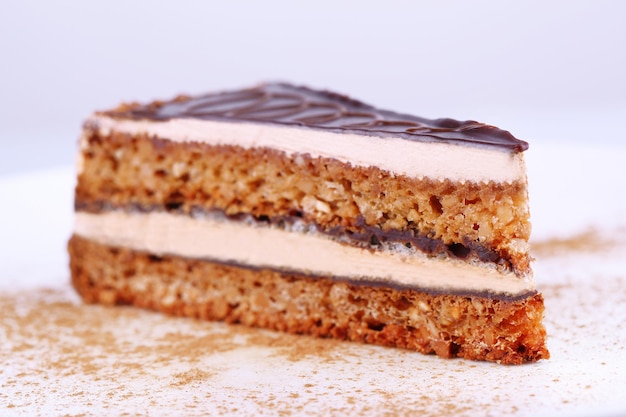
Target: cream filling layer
305, 252
436, 160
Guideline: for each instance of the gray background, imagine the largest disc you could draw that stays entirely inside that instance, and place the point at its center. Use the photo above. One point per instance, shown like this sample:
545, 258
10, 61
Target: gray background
547, 71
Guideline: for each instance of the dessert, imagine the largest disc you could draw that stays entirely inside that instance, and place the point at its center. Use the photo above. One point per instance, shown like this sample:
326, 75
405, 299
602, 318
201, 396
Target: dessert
306, 211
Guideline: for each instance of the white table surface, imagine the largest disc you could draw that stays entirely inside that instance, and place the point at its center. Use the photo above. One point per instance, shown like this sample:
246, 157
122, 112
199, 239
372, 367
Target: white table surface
62, 357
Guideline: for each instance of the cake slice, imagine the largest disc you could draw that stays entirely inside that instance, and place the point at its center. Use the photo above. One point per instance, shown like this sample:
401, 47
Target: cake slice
306, 211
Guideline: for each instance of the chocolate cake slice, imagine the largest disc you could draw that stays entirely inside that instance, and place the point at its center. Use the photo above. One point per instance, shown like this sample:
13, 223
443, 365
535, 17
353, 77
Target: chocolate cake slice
309, 212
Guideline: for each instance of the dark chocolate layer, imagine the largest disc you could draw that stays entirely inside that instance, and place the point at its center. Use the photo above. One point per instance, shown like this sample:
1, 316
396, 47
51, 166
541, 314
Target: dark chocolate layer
285, 104
367, 236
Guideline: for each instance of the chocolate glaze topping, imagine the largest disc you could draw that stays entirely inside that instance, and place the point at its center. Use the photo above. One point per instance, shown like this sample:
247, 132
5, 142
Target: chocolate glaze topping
285, 104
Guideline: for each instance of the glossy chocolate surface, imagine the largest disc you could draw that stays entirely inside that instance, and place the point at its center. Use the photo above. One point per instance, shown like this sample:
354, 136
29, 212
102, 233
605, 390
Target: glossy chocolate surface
285, 104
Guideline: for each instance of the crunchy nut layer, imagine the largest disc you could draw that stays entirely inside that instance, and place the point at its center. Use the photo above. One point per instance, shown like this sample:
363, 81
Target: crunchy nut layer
125, 169
478, 328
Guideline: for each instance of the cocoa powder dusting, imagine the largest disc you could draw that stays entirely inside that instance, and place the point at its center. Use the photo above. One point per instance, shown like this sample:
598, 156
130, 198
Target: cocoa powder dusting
588, 241
108, 359
63, 357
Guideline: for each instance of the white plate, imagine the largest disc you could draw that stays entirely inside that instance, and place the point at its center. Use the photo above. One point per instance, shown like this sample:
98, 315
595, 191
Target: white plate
62, 357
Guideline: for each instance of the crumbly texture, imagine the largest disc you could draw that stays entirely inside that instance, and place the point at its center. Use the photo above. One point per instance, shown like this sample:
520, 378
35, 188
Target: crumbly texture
505, 331
121, 169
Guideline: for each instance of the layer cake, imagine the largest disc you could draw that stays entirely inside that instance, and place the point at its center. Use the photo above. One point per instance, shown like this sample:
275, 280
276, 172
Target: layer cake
309, 212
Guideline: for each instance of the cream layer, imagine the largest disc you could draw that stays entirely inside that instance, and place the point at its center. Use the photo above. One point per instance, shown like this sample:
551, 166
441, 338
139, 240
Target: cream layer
437, 160
307, 252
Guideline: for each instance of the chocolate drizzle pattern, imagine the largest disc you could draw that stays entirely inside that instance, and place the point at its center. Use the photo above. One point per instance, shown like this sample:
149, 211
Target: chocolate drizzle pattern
285, 104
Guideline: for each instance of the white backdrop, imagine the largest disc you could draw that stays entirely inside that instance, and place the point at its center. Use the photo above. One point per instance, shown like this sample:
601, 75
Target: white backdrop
544, 70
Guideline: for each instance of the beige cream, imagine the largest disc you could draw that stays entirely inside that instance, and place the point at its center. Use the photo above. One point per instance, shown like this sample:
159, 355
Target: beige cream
437, 160
303, 250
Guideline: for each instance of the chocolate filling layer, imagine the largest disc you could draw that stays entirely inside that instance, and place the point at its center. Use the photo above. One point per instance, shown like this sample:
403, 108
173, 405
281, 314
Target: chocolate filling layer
368, 236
